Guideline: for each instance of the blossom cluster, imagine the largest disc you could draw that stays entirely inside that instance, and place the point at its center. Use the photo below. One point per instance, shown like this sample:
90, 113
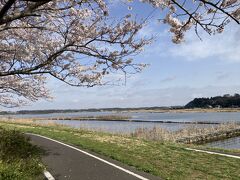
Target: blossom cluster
73, 41
79, 43
212, 16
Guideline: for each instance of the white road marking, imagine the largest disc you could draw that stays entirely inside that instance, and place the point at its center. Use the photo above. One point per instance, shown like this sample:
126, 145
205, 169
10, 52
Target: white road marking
48, 175
210, 152
91, 155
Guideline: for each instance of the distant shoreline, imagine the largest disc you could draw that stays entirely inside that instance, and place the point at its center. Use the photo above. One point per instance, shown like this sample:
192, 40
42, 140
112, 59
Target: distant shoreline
124, 110
194, 110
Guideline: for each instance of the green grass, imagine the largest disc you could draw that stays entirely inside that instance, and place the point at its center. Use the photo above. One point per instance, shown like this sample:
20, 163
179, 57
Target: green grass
166, 160
19, 160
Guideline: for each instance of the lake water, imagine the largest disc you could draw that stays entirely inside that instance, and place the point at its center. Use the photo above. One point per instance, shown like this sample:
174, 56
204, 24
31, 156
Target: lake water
128, 127
220, 117
232, 143
120, 126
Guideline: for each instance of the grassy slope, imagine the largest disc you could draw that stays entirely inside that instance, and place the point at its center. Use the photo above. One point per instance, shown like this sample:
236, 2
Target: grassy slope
169, 161
18, 158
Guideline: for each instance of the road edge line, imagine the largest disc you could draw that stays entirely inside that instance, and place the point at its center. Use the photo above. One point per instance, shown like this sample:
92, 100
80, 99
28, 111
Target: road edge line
210, 152
48, 175
93, 156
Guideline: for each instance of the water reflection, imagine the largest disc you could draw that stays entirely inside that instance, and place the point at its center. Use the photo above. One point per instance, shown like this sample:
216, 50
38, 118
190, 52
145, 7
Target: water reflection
232, 143
120, 126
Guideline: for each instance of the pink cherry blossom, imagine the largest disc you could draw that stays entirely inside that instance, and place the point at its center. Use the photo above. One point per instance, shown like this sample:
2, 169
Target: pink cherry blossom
44, 39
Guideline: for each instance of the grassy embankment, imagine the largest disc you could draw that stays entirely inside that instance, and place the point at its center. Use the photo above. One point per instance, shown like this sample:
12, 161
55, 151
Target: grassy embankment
164, 159
18, 158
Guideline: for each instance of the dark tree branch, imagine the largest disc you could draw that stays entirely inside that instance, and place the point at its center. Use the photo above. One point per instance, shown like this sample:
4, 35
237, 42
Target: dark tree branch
5, 8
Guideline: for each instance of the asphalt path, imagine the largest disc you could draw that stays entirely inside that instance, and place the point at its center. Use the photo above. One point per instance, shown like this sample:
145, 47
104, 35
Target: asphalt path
66, 162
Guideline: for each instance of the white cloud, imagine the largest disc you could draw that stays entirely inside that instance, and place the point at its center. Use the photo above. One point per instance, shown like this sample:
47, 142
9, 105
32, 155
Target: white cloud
224, 47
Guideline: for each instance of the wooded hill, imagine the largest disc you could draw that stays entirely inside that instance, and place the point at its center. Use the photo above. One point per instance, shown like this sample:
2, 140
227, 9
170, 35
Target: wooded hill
225, 101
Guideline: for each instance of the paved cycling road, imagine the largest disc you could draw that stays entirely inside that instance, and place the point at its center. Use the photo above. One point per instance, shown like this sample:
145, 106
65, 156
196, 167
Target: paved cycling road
65, 162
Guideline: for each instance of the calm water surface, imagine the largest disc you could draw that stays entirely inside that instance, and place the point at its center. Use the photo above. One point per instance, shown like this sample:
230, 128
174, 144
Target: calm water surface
178, 117
232, 143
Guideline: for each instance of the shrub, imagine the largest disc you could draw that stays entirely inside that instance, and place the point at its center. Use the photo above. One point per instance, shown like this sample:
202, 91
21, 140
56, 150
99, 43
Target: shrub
19, 159
14, 145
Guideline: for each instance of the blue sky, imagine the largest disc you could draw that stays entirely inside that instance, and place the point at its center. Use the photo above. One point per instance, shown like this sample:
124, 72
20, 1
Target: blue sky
176, 75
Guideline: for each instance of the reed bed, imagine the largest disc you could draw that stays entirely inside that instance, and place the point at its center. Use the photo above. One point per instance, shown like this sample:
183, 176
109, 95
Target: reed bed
33, 123
29, 121
192, 134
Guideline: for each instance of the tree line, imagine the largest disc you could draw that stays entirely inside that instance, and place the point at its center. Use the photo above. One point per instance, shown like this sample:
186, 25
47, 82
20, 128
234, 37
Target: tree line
225, 101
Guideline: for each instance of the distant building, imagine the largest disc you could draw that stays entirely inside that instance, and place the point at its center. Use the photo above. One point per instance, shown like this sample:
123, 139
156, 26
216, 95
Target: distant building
209, 106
